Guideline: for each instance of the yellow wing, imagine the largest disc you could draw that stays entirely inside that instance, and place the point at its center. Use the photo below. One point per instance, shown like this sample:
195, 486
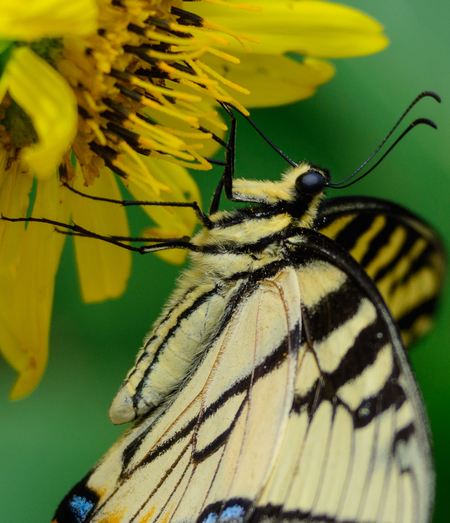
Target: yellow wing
303, 408
399, 251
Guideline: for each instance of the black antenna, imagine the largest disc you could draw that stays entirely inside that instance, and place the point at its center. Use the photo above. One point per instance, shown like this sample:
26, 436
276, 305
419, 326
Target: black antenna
203, 218
228, 107
431, 94
419, 121
159, 244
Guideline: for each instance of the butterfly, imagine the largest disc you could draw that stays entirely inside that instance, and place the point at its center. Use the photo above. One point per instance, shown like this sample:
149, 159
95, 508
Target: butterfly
275, 386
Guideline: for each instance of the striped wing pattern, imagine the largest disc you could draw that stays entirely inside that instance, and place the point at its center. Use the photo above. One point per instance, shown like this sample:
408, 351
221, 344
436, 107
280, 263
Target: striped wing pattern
303, 408
402, 255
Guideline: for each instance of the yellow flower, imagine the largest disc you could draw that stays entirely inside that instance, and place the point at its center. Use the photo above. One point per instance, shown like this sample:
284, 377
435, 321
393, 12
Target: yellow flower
95, 87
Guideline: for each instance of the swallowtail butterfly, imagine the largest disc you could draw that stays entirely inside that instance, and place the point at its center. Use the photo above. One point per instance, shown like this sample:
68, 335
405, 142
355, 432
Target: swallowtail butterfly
275, 386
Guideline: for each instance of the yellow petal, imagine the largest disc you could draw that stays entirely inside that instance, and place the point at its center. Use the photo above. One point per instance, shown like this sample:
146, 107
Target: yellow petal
183, 189
35, 19
175, 221
25, 310
14, 202
274, 80
103, 269
312, 28
50, 103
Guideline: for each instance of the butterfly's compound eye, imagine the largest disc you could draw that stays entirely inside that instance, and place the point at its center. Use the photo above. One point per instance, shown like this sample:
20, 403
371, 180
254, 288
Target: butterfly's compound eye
311, 182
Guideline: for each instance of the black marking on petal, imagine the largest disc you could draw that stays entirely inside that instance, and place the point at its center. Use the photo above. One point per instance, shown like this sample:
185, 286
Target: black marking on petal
187, 18
136, 29
108, 155
133, 95
83, 113
153, 73
62, 172
130, 137
140, 53
121, 75
146, 119
118, 108
114, 117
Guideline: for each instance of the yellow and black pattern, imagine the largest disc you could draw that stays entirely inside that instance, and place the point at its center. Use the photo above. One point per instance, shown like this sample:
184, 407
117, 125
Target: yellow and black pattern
275, 386
401, 254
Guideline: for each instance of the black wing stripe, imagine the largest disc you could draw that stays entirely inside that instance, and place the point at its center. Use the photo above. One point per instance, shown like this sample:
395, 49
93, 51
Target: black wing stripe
240, 386
401, 248
380, 240
188, 311
400, 253
337, 307
360, 355
424, 310
348, 236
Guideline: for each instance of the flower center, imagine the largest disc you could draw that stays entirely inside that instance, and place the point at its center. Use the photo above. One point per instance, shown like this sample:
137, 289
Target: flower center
142, 88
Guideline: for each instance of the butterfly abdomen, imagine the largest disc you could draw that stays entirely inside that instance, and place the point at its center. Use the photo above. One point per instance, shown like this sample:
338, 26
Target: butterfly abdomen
238, 244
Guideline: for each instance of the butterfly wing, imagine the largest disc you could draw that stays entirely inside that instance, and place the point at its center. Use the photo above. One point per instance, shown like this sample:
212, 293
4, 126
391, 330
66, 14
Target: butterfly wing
304, 408
357, 446
220, 437
401, 253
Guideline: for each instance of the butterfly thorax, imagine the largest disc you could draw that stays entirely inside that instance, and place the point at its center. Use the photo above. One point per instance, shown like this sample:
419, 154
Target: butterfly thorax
248, 238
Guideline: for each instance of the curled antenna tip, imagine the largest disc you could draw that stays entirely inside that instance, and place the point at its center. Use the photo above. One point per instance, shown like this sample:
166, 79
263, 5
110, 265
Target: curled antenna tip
425, 121
432, 94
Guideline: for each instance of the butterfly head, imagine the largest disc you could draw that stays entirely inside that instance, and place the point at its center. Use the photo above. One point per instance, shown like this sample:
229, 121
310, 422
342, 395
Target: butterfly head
300, 184
312, 182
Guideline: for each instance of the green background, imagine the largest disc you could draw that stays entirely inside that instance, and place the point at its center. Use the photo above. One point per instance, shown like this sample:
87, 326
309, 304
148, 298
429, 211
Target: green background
49, 440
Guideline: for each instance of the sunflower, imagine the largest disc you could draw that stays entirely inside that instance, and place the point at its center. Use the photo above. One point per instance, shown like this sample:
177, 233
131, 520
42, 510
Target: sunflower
96, 91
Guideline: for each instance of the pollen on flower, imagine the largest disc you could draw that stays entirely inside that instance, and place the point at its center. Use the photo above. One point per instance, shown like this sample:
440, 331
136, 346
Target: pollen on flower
139, 83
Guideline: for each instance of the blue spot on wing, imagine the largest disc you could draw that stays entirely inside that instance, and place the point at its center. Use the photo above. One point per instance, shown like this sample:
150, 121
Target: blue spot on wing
210, 518
234, 512
78, 505
229, 511
80, 508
